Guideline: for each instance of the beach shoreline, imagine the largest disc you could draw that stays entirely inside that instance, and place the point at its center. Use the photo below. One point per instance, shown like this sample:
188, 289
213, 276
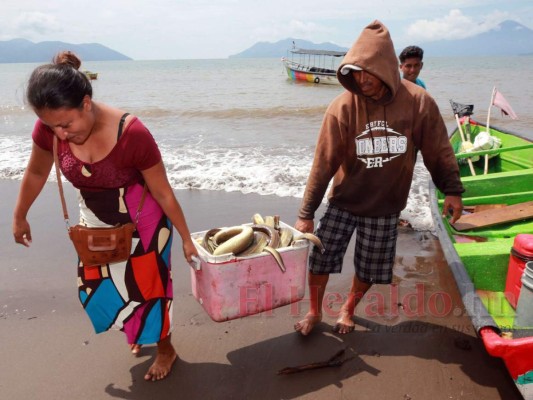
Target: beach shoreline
412, 339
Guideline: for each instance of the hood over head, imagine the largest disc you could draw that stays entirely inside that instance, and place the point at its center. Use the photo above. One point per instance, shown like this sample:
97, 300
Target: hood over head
373, 52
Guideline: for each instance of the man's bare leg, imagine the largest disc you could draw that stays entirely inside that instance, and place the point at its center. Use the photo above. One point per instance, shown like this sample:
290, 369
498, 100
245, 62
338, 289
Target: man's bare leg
345, 323
317, 288
166, 355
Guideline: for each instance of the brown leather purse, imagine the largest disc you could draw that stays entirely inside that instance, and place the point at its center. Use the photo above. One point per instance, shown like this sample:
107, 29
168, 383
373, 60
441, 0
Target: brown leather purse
97, 246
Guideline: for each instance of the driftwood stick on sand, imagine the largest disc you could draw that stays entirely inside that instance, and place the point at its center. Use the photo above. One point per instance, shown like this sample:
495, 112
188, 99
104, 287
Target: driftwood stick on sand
334, 361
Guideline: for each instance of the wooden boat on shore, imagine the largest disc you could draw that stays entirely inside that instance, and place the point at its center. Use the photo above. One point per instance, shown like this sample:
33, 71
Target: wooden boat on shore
91, 75
479, 246
315, 66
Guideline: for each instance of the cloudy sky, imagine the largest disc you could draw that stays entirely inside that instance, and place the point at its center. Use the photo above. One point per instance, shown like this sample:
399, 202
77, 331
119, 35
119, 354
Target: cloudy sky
188, 29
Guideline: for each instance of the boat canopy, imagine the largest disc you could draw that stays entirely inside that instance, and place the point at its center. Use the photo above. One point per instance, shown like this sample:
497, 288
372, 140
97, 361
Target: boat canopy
330, 53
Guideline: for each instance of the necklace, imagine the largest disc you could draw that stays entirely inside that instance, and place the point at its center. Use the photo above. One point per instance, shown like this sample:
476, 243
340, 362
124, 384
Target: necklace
86, 170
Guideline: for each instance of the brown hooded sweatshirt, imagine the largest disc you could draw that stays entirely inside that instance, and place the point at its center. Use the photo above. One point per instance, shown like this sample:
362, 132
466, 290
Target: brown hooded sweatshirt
369, 147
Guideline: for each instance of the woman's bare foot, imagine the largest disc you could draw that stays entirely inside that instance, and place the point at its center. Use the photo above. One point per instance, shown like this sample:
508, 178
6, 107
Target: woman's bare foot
344, 323
165, 358
135, 349
306, 325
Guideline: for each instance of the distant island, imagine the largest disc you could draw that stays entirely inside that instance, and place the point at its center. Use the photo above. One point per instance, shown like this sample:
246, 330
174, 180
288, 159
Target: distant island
25, 51
509, 38
280, 48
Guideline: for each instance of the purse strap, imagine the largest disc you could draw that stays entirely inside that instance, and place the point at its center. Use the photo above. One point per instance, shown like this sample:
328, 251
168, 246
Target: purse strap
60, 184
62, 195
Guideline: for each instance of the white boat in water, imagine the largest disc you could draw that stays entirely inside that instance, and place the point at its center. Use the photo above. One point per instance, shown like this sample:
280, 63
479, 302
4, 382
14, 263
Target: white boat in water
318, 66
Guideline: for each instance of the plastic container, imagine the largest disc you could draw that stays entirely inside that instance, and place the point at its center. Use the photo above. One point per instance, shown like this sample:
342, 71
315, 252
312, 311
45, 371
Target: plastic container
228, 287
521, 253
524, 308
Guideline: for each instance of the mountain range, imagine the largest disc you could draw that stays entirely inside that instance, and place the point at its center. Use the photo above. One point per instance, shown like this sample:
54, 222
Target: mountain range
279, 49
25, 51
509, 38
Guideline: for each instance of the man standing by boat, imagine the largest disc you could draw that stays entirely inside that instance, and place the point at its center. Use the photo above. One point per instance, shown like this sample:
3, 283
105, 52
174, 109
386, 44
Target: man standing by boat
368, 143
411, 64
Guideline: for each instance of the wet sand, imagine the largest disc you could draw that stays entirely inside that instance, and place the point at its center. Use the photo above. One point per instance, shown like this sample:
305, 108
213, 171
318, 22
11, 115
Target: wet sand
412, 340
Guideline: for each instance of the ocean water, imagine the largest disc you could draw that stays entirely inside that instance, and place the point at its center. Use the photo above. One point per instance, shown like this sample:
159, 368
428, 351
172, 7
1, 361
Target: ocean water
242, 125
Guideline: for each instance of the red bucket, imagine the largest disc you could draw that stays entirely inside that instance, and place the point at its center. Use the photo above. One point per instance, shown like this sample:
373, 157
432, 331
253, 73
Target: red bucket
521, 253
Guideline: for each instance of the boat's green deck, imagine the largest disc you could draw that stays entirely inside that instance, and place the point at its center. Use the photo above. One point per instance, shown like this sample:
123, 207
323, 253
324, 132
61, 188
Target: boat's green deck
508, 188
508, 161
486, 262
498, 188
509, 181
499, 308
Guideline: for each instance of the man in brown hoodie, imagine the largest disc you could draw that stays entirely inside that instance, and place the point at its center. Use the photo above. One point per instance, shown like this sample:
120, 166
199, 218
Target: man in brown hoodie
368, 143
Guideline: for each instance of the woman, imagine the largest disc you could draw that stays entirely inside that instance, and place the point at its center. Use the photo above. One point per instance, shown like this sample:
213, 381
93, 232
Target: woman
108, 156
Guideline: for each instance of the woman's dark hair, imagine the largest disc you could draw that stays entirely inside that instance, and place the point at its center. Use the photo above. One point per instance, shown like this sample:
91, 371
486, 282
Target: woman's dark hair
59, 84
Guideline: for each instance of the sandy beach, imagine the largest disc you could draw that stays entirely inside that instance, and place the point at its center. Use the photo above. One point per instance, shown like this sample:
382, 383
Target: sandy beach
412, 339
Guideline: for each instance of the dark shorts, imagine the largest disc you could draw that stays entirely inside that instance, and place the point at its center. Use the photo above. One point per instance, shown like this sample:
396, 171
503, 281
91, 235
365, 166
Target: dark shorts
375, 244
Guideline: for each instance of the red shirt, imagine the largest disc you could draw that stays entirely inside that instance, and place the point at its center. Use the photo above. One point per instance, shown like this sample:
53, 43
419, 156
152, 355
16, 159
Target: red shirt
135, 151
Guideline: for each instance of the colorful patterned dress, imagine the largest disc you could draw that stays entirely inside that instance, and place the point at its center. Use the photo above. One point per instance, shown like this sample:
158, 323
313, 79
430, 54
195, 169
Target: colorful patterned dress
134, 296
